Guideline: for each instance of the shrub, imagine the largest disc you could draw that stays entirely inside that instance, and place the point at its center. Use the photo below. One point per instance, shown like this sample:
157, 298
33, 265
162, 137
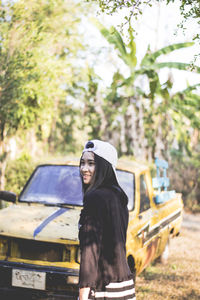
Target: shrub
18, 172
184, 176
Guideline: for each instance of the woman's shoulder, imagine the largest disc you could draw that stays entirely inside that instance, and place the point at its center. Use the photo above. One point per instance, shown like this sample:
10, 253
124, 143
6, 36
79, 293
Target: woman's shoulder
100, 196
102, 200
95, 202
95, 195
100, 193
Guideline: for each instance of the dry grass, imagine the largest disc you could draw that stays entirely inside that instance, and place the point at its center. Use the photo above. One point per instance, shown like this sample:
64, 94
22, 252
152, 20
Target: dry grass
180, 278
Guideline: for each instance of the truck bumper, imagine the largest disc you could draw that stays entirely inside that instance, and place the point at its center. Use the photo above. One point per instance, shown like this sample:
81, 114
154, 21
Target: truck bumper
56, 283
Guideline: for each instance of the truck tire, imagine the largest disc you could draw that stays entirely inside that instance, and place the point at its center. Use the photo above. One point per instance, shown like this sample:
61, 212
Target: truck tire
131, 264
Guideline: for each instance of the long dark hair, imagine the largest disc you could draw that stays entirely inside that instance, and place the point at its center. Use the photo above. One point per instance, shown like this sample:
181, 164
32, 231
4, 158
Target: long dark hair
104, 176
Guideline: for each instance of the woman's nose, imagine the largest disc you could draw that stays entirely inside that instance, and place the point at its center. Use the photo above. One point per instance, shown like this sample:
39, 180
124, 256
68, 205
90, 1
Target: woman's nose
85, 167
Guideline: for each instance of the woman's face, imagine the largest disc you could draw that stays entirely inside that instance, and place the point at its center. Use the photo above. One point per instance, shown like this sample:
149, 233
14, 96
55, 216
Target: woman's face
87, 167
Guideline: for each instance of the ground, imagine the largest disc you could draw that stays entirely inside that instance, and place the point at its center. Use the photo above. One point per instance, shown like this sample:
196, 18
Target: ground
180, 278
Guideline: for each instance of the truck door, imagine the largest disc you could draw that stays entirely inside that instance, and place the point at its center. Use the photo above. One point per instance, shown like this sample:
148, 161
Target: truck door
144, 196
145, 217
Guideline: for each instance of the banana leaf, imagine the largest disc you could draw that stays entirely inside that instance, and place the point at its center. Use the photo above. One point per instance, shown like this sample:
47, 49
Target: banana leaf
175, 65
149, 58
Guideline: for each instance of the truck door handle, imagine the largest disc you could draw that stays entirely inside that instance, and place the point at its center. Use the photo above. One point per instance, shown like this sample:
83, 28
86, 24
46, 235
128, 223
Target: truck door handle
140, 217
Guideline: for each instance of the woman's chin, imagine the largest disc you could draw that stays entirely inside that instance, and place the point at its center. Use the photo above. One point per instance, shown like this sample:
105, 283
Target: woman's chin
86, 182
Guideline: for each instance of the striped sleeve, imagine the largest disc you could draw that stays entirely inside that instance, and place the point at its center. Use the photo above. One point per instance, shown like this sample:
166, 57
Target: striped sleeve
124, 290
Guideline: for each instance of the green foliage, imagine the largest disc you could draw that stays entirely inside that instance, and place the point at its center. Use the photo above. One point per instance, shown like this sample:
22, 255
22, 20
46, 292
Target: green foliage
124, 92
188, 8
39, 40
148, 122
150, 58
61, 138
17, 173
112, 6
126, 52
37, 45
177, 65
185, 177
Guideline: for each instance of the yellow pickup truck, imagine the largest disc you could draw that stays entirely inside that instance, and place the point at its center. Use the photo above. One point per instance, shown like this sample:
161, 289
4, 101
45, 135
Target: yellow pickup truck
39, 247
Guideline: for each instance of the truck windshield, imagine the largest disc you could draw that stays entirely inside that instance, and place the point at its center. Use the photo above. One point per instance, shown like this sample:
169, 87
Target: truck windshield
54, 184
61, 184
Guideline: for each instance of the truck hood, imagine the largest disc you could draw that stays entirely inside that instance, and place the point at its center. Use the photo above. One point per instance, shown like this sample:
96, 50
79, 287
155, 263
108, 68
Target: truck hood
40, 222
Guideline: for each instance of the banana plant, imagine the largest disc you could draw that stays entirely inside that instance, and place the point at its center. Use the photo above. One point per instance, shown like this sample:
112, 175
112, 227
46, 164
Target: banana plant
149, 65
126, 90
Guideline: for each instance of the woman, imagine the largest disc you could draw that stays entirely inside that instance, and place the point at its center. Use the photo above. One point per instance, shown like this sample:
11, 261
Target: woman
104, 272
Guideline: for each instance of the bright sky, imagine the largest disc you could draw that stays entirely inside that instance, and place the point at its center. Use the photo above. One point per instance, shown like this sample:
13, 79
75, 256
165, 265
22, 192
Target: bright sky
156, 27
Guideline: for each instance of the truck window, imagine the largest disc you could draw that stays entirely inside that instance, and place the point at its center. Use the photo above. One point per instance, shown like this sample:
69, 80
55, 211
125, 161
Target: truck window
127, 182
144, 196
54, 184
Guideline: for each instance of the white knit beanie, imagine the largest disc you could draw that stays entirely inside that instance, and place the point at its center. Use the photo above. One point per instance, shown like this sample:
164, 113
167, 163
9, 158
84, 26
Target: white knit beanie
102, 149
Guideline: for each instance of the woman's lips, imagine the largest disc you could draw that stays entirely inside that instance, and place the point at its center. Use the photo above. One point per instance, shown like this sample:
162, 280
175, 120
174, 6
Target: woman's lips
85, 177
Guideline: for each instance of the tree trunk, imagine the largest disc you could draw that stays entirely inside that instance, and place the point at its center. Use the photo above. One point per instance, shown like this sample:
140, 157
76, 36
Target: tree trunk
51, 138
131, 128
3, 162
104, 123
195, 138
123, 136
2, 174
142, 141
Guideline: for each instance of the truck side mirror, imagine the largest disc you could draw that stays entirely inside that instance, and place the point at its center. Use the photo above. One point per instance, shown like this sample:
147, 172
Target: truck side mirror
8, 196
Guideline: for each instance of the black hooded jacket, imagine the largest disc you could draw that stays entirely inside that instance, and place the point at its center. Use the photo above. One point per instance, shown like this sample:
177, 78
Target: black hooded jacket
102, 234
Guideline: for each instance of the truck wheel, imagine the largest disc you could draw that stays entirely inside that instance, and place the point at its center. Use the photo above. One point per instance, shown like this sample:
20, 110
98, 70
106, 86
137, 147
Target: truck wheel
131, 263
165, 255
